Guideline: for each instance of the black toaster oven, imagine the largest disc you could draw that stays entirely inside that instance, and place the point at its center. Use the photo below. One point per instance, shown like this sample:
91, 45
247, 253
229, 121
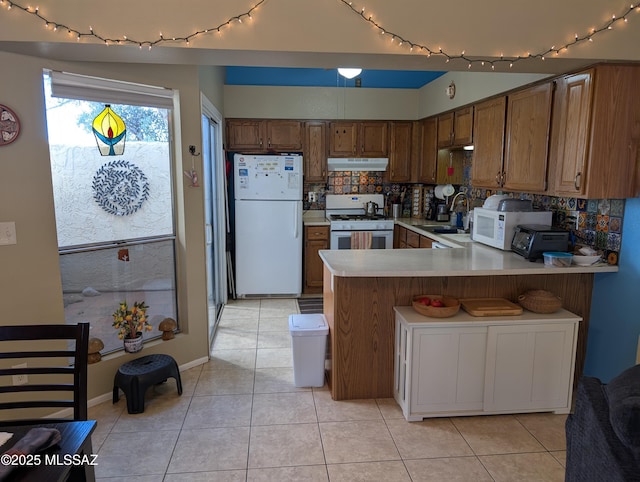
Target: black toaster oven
531, 240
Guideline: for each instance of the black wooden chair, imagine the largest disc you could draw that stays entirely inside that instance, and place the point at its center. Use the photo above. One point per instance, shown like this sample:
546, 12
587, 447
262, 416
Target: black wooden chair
56, 372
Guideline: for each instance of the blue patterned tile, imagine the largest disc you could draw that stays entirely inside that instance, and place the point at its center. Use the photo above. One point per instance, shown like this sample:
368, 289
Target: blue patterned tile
589, 237
592, 206
617, 207
581, 204
615, 224
604, 206
613, 241
591, 221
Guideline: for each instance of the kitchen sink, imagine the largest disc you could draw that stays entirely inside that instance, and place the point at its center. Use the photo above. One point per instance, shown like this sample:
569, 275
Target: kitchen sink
438, 229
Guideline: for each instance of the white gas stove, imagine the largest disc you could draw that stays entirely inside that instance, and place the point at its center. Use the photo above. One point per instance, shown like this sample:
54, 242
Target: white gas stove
347, 214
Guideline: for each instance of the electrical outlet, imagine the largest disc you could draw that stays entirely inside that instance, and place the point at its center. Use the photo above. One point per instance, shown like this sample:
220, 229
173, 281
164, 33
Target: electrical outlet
313, 197
20, 379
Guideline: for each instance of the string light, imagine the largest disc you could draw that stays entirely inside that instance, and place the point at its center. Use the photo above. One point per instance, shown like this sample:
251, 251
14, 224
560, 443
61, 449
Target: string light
125, 39
395, 38
490, 61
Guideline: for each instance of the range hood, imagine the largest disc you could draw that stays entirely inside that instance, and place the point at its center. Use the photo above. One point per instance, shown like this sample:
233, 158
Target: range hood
357, 163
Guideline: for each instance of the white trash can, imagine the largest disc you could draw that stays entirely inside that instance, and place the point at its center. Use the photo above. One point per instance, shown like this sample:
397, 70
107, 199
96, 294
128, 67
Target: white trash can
309, 344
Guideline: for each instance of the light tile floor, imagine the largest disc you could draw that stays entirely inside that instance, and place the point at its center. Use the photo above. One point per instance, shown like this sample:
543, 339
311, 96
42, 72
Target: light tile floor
240, 418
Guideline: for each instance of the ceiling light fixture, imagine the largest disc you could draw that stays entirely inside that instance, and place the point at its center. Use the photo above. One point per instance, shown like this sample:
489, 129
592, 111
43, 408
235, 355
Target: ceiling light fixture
349, 73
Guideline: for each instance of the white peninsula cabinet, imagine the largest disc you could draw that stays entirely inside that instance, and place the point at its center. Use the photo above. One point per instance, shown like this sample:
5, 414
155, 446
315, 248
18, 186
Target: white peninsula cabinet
467, 365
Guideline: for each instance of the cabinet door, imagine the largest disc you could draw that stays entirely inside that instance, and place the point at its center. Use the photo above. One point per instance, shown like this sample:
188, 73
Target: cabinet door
426, 242
284, 135
529, 366
400, 152
245, 135
315, 152
316, 238
526, 153
429, 151
463, 126
343, 139
413, 239
399, 237
373, 139
488, 127
571, 115
447, 369
445, 130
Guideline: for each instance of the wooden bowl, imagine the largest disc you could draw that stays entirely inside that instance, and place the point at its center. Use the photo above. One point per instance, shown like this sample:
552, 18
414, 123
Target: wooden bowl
450, 308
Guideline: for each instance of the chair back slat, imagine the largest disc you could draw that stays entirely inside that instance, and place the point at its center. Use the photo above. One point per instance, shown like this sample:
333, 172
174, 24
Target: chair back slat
38, 354
77, 367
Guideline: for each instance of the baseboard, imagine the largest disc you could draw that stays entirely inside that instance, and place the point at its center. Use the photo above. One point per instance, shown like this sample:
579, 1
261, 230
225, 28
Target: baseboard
67, 412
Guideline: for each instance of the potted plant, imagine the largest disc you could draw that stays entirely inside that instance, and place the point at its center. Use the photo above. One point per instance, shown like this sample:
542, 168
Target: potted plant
130, 324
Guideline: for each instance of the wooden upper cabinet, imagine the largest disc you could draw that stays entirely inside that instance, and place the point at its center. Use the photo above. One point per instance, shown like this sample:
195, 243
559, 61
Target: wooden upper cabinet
428, 157
400, 151
455, 128
596, 143
263, 135
463, 126
315, 151
571, 132
245, 134
489, 130
373, 138
445, 130
343, 138
284, 135
527, 134
358, 139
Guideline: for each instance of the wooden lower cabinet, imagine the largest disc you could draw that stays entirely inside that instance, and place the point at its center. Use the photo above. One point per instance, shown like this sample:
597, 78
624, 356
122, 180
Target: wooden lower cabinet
405, 238
469, 366
315, 239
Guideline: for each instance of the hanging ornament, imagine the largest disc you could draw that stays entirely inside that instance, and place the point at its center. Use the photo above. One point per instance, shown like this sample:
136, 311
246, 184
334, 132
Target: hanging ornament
110, 132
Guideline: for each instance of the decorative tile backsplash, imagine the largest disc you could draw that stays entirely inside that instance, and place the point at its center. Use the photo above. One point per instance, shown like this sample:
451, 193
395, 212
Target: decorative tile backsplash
592, 222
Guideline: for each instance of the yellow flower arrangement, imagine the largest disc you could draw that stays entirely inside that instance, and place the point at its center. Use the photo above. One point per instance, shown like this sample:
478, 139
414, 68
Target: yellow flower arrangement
130, 322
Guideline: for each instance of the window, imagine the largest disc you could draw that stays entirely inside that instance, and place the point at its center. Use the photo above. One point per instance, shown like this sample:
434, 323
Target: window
114, 213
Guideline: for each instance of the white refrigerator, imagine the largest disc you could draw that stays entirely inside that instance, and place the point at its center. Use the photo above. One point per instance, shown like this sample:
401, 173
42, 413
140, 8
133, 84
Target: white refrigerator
268, 224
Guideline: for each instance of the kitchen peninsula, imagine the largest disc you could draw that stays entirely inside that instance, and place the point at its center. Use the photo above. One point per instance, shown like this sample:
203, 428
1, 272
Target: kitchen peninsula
361, 287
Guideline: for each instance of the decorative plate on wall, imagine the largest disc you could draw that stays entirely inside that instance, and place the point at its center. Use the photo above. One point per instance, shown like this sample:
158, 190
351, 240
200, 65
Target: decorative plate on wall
9, 125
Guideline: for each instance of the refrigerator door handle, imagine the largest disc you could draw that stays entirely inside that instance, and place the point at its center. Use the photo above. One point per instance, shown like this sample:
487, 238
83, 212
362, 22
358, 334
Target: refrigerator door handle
296, 206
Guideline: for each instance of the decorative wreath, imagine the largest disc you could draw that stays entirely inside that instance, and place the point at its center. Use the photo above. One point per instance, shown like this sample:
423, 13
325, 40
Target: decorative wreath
120, 188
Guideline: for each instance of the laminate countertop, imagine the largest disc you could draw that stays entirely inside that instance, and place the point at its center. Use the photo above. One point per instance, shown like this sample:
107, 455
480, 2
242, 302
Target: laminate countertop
473, 259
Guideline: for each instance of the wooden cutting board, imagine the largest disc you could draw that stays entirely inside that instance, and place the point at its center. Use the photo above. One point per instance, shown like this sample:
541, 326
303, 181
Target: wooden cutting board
490, 307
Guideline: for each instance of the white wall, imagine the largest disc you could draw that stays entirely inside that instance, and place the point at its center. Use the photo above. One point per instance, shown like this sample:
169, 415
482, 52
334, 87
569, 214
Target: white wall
359, 103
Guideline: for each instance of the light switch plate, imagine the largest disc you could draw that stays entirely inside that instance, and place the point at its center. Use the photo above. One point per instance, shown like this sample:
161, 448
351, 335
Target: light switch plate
8, 233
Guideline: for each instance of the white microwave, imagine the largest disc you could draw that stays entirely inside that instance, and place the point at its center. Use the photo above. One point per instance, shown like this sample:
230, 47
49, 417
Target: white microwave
496, 228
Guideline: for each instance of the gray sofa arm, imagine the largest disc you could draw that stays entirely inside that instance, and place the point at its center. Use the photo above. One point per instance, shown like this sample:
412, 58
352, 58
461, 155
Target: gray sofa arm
594, 452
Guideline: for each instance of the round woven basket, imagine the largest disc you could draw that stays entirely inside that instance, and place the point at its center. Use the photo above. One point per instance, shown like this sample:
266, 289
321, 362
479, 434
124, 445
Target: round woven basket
450, 308
540, 301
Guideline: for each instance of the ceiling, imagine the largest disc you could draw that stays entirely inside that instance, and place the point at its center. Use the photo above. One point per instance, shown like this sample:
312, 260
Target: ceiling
310, 77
